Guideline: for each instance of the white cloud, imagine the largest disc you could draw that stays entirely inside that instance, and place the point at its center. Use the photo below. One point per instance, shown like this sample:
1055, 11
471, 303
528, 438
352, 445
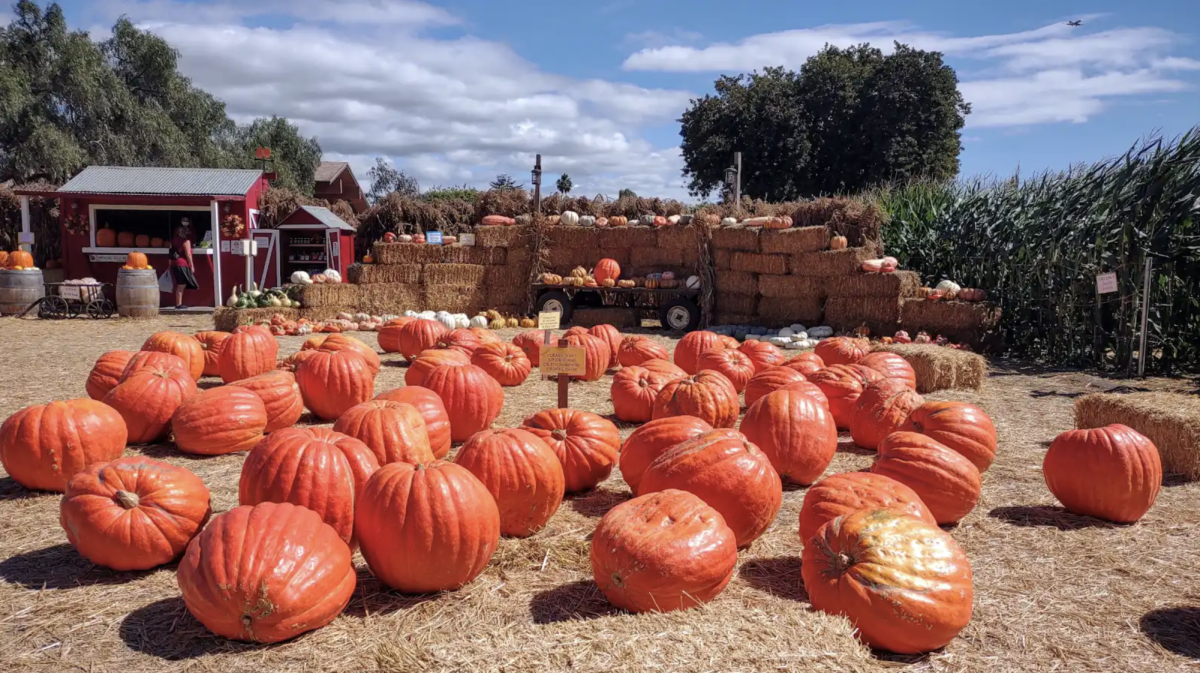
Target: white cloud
390, 13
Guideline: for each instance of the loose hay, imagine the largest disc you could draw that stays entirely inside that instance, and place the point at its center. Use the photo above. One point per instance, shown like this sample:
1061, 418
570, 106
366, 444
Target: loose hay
391, 298
502, 237
784, 311
1170, 420
791, 286
367, 274
881, 315
736, 239
323, 295
830, 263
795, 240
900, 284
732, 302
956, 320
618, 317
941, 368
749, 261
227, 319
407, 253
455, 275
737, 282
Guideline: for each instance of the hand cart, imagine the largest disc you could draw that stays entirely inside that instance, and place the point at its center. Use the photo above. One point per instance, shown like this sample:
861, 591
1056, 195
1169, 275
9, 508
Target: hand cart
71, 300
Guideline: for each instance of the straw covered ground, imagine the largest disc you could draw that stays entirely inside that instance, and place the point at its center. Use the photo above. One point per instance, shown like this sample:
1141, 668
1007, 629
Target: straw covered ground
1052, 591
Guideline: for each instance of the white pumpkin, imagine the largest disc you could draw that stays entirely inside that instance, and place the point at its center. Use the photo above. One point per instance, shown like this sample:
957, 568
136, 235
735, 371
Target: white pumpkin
793, 346
692, 283
587, 221
674, 219
787, 332
820, 332
948, 286
301, 278
801, 336
798, 328
344, 316
447, 320
570, 218
405, 238
427, 315
480, 321
362, 317
753, 337
648, 220
332, 276
728, 222
779, 341
461, 321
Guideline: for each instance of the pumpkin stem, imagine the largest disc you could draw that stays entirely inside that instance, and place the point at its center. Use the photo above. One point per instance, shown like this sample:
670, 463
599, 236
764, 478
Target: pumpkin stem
842, 562
127, 499
559, 434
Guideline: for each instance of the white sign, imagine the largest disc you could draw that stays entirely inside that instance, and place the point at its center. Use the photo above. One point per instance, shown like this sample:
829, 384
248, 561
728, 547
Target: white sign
1106, 283
467, 239
107, 258
224, 246
25, 237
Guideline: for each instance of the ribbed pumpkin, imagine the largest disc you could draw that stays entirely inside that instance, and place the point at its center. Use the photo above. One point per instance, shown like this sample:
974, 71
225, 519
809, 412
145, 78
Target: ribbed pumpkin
606, 269
185, 346
389, 334
633, 392
473, 399
796, 433
654, 439
634, 350
394, 431
531, 342
692, 346
1111, 473
433, 412
153, 360
147, 400
426, 528
664, 367
522, 474
106, 373
842, 385
280, 395
806, 363
577, 330
810, 389
332, 382
661, 552
485, 336
597, 354
725, 471
43, 446
962, 427
734, 365
133, 513
428, 360
769, 380
586, 444
728, 342
266, 573
461, 340
249, 351
420, 335
212, 343
846, 493
892, 366
611, 336
842, 350
338, 342
872, 558
317, 468
882, 408
764, 355
291, 362
707, 395
219, 421
947, 483
505, 362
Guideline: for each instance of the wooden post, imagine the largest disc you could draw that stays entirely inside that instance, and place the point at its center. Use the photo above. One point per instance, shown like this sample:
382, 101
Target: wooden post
564, 382
537, 185
737, 188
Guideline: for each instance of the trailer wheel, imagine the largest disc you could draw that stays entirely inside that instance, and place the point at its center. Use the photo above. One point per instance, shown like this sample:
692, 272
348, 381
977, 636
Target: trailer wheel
679, 315
556, 301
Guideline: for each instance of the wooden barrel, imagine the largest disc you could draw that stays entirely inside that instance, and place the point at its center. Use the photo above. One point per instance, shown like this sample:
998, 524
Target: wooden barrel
19, 289
137, 293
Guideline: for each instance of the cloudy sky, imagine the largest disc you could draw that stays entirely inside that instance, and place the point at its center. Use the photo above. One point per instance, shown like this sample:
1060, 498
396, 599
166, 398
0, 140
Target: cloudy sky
457, 91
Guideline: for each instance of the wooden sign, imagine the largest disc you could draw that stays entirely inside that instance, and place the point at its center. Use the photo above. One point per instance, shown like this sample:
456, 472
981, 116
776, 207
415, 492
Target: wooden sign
562, 359
550, 320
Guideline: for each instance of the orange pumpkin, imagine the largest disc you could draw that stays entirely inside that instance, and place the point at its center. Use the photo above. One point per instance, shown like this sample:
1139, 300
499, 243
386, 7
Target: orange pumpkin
156, 242
586, 444
136, 260
707, 395
43, 446
141, 241
634, 350
521, 472
1111, 473
506, 363
249, 351
486, 336
633, 392
419, 336
147, 400
186, 347
611, 336
428, 360
882, 408
796, 433
618, 221
652, 440
389, 334
433, 413
106, 373
280, 394
333, 381
734, 365
842, 385
764, 355
394, 431
892, 366
842, 350
473, 399
461, 340
211, 343
846, 493
126, 239
692, 346
20, 259
597, 354
607, 269
531, 342
948, 484
219, 421
769, 380
663, 367
106, 237
154, 360
338, 342
960, 427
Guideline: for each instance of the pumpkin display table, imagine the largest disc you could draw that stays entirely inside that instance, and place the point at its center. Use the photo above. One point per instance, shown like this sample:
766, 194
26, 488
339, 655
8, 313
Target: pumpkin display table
675, 308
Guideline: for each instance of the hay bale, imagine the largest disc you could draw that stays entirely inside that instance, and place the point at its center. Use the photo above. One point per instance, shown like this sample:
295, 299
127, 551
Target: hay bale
655, 258
623, 256
584, 238
941, 368
393, 298
324, 313
960, 321
733, 302
880, 315
227, 319
562, 260
830, 263
723, 259
507, 295
473, 254
1170, 420
469, 300
737, 282
407, 253
455, 275
618, 317
691, 259
522, 257
790, 286
627, 237
509, 309
722, 318
901, 284
794, 241
367, 274
507, 276
502, 237
735, 238
676, 238
759, 263
784, 311
343, 296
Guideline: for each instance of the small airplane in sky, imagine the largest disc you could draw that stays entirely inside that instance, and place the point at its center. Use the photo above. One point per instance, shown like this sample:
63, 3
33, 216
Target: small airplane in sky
1074, 24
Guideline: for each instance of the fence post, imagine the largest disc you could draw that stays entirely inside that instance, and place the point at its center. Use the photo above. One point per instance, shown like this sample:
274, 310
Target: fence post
1145, 317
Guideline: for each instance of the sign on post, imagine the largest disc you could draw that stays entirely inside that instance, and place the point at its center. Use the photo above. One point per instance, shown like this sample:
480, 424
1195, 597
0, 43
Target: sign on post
550, 320
433, 237
563, 359
1106, 283
466, 239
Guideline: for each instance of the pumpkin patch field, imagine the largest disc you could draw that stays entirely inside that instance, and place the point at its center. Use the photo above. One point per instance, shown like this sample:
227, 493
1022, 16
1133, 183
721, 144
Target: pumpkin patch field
201, 509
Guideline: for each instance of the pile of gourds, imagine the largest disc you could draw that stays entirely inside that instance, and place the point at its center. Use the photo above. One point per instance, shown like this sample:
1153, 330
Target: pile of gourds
254, 298
950, 291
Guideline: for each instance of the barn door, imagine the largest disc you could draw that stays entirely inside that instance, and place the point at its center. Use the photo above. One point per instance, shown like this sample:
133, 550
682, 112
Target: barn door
266, 261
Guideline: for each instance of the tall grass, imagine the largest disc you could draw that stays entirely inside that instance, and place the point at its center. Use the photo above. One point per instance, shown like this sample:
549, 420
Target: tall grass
1037, 244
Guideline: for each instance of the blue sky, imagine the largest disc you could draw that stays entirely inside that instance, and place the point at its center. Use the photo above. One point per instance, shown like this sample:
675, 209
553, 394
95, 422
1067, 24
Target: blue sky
459, 90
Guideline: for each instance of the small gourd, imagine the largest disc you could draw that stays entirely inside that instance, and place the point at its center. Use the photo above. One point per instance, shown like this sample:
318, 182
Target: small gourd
513, 322
838, 243
728, 222
587, 221
601, 221
499, 323
528, 322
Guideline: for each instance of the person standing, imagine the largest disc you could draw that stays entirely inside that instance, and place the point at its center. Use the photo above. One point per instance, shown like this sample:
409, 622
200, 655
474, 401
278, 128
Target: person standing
182, 264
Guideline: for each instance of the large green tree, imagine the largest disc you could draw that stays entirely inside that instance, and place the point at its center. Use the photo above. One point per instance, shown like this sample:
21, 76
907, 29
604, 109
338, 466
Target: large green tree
849, 119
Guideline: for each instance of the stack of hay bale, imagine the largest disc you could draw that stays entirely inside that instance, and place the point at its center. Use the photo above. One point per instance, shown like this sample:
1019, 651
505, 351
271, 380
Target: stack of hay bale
874, 300
639, 250
962, 322
324, 301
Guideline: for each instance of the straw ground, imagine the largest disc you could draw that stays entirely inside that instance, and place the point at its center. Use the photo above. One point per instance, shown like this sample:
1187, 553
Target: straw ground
1053, 591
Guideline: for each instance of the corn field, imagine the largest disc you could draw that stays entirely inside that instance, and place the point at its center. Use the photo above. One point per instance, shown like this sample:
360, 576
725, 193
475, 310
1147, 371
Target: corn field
1037, 244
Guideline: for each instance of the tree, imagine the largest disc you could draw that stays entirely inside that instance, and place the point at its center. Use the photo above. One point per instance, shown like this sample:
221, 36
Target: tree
626, 192
295, 157
850, 119
504, 182
386, 178
564, 184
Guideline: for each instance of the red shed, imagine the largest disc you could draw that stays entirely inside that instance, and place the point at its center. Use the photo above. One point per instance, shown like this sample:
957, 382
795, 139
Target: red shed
311, 239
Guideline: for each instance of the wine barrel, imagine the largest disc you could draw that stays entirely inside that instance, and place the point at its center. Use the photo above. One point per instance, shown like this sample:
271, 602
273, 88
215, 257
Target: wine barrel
19, 289
137, 293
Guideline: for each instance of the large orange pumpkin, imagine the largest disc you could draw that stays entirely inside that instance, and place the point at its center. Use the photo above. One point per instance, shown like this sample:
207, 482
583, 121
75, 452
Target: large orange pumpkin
611, 336
266, 573
597, 355
461, 340
433, 412
846, 493
692, 346
133, 513
424, 363
882, 408
764, 355
842, 350
137, 260
806, 363
664, 367
633, 392
586, 444
20, 258
811, 390
337, 342
725, 471
891, 366
505, 362
734, 365
106, 373
661, 552
1111, 473
291, 362
606, 269
147, 400
106, 237
389, 335
522, 474
842, 385
43, 446
962, 427
426, 528
420, 335
317, 468
903, 583
249, 351
154, 360
707, 395
473, 399
142, 241
333, 381
654, 439
634, 350
212, 342
280, 394
219, 421
948, 484
485, 335
796, 433
769, 380
531, 342
394, 431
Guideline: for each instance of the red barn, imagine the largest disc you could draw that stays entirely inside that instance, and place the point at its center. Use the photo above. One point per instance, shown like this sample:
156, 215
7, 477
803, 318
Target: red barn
334, 181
